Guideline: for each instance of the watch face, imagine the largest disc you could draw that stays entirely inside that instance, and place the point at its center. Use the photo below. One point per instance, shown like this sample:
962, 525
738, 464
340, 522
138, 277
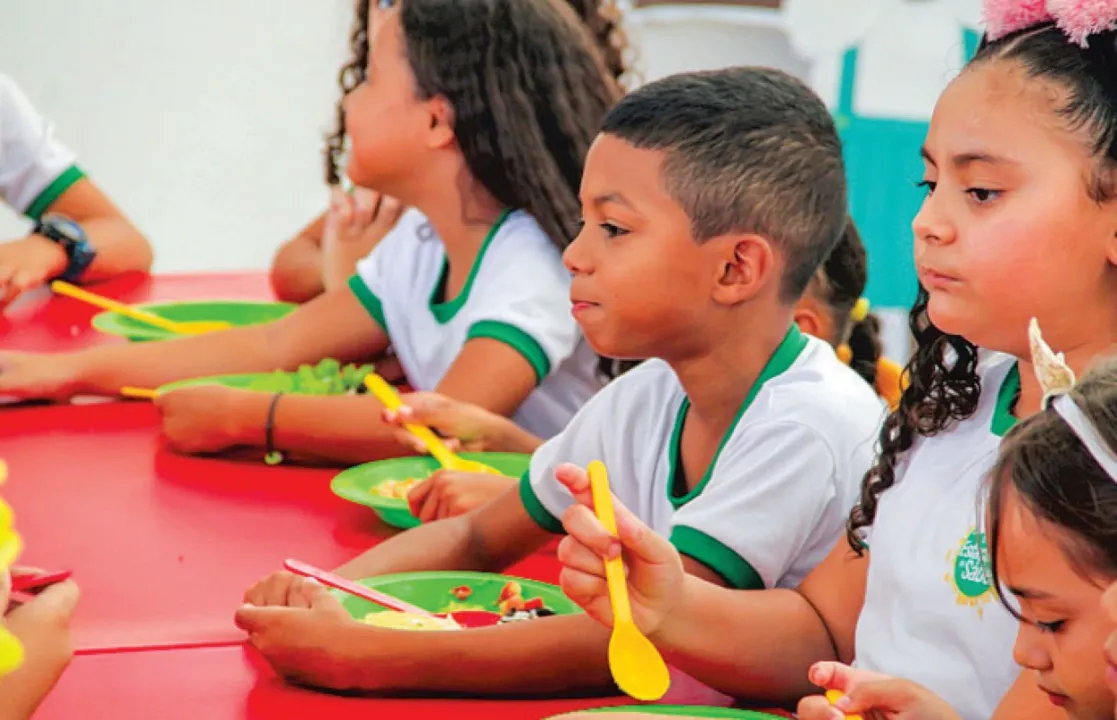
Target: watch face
63, 226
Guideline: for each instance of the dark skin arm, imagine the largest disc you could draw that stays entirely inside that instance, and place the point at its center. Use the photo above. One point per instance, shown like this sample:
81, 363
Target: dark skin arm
498, 660
296, 271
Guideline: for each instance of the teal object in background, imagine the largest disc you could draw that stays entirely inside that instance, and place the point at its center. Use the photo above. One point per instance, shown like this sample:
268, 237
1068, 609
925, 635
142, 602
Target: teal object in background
883, 167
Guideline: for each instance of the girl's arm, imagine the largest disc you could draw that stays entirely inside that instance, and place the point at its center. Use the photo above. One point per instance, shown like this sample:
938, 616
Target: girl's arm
296, 271
348, 429
334, 325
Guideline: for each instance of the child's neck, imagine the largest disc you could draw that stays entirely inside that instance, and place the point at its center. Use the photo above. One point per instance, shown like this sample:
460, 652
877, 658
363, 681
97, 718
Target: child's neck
462, 220
1079, 358
718, 380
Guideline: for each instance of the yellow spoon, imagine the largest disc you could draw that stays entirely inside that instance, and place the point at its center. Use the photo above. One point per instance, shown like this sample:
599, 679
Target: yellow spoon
638, 668
195, 327
834, 696
11, 652
139, 393
389, 398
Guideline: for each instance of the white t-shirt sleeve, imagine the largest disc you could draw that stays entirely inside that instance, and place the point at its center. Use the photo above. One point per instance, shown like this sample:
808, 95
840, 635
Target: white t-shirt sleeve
522, 299
371, 282
543, 496
35, 169
771, 489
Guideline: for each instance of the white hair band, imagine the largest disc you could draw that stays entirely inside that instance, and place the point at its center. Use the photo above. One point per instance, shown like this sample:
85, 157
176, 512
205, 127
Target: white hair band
1072, 414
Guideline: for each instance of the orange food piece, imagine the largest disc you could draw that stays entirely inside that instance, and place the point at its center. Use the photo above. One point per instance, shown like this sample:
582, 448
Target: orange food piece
462, 592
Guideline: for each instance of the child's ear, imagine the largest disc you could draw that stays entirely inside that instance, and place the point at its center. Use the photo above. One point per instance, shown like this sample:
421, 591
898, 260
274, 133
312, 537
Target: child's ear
746, 266
441, 118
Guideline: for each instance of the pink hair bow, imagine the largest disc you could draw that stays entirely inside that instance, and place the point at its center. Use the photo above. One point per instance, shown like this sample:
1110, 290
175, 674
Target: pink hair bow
1079, 19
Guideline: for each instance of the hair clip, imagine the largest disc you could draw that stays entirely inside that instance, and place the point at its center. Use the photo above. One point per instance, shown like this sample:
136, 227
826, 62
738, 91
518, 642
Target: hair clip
860, 310
1078, 19
1057, 379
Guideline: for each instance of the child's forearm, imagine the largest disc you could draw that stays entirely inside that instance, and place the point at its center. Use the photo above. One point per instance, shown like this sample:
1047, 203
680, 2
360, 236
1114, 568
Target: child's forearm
346, 429
104, 370
547, 656
755, 644
507, 436
120, 247
23, 690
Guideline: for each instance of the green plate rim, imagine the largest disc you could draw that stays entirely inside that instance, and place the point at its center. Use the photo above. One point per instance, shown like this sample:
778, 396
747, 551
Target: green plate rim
461, 577
103, 321
338, 483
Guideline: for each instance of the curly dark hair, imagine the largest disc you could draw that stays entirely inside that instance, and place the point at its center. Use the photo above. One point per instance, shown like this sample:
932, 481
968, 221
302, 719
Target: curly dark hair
944, 385
601, 18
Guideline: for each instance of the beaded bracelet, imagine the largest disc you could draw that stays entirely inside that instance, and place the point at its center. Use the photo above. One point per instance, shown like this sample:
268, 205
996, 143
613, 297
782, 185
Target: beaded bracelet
272, 456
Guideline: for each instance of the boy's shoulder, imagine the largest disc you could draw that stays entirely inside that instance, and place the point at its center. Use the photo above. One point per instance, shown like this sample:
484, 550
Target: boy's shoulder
820, 391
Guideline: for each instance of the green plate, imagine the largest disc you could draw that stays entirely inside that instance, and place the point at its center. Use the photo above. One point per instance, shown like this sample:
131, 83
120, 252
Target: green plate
689, 711
237, 312
431, 591
356, 484
270, 383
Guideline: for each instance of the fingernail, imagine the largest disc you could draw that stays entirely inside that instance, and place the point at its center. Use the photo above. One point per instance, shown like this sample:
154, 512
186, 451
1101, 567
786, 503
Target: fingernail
843, 703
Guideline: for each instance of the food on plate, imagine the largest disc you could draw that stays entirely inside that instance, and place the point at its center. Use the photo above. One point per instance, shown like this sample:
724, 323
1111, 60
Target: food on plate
395, 620
396, 489
329, 377
462, 592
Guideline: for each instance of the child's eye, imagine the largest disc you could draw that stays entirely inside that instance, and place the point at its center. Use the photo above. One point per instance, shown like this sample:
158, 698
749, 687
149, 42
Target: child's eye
612, 230
1051, 627
983, 195
927, 185
580, 225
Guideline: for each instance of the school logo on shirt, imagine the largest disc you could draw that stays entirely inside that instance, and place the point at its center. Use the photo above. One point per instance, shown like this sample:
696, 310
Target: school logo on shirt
971, 574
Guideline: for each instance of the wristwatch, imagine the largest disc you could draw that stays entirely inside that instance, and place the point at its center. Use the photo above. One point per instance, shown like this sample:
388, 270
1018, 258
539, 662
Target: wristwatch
71, 238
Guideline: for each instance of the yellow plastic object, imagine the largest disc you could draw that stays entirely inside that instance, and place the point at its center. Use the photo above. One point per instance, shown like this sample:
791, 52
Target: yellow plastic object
834, 696
11, 652
389, 398
195, 327
138, 393
637, 667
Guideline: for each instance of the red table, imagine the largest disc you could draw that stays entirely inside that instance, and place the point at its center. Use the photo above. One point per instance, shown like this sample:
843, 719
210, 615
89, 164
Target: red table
163, 545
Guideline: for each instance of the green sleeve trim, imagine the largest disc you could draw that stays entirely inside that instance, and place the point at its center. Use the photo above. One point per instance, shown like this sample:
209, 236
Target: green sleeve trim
541, 515
46, 198
369, 300
733, 568
516, 339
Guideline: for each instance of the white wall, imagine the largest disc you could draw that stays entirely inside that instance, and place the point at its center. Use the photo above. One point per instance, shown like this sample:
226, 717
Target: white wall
203, 119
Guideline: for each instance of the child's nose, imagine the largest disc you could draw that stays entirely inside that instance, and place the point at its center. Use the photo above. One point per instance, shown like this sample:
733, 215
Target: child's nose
1029, 650
930, 224
576, 256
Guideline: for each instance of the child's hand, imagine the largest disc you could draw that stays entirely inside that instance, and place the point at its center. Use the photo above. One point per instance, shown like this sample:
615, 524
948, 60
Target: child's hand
305, 641
203, 418
467, 426
36, 376
43, 628
447, 493
655, 569
28, 263
355, 223
282, 589
876, 697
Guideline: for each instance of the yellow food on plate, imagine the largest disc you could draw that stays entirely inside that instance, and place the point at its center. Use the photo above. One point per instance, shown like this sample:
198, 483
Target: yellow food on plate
396, 489
395, 620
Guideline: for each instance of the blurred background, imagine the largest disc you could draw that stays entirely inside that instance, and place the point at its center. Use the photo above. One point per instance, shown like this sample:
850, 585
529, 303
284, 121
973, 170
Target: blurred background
204, 119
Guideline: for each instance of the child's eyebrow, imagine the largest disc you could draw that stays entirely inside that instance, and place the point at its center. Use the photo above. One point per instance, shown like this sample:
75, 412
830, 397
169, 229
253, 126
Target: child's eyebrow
963, 160
612, 198
1029, 593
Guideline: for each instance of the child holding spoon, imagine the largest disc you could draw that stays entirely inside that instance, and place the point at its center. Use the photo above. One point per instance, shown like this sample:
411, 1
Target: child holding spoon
740, 437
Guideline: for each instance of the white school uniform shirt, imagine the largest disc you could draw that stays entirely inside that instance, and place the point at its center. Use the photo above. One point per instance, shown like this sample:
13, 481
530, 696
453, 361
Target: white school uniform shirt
517, 293
777, 493
35, 169
930, 614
